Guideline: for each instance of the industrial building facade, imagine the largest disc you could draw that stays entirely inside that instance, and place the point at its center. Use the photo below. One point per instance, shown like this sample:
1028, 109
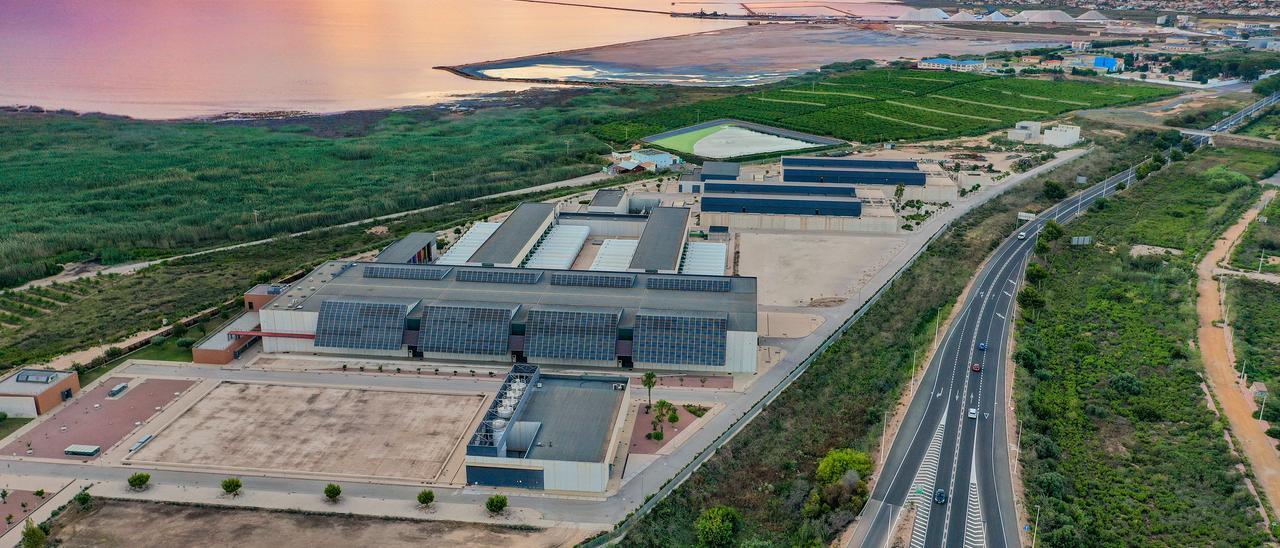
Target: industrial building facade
549, 432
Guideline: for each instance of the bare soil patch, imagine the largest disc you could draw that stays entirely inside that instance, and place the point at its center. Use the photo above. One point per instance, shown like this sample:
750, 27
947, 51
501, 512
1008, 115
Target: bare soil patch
117, 523
341, 431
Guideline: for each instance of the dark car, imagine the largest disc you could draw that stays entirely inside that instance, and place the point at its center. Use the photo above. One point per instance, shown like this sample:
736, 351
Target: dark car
976, 367
982, 347
940, 496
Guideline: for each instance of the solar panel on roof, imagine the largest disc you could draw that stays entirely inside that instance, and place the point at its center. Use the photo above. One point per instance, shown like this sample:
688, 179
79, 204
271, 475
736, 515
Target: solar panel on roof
685, 283
365, 325
406, 273
499, 276
594, 280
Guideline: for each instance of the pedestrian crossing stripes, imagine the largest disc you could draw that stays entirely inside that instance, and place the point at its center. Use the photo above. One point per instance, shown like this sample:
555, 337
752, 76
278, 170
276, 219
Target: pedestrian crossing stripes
922, 487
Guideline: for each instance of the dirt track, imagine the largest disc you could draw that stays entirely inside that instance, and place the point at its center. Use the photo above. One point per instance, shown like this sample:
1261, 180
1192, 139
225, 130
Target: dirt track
1219, 365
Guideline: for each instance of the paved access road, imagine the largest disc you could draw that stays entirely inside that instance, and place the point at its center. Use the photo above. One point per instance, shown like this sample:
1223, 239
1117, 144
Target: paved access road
938, 445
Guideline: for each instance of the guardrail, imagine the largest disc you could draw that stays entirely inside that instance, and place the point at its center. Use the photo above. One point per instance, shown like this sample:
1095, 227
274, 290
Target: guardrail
1230, 122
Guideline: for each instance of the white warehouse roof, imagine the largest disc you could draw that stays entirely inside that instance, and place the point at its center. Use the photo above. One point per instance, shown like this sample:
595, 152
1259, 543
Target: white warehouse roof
559, 248
615, 255
466, 246
704, 258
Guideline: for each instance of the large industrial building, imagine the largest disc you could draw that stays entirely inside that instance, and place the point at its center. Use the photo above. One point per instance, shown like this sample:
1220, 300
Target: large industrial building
506, 292
549, 432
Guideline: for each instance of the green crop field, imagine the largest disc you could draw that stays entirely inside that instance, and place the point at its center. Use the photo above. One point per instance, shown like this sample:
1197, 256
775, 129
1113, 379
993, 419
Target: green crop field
888, 104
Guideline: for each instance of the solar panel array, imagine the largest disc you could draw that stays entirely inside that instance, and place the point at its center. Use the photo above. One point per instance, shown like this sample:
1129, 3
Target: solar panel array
499, 276
465, 329
572, 334
687, 283
676, 339
594, 280
405, 272
347, 324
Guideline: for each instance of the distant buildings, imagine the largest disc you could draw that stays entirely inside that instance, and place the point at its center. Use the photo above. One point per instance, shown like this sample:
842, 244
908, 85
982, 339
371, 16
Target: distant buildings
942, 63
1061, 135
644, 159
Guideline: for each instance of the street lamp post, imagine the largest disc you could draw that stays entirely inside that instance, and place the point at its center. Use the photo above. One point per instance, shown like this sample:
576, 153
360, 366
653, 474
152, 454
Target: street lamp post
1036, 530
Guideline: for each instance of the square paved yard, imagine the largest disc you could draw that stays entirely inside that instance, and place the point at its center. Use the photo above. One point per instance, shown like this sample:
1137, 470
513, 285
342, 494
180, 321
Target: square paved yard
318, 430
92, 418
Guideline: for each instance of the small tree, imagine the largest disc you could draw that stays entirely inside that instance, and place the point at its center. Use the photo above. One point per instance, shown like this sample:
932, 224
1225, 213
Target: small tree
32, 536
231, 486
84, 499
649, 381
496, 504
1052, 231
4, 495
139, 481
332, 492
662, 409
838, 462
426, 497
717, 526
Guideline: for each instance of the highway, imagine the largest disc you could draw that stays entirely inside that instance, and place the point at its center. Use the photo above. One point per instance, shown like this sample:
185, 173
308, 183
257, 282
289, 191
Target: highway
1245, 114
938, 446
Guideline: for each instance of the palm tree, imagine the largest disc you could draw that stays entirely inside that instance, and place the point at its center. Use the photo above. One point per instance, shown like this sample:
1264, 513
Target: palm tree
649, 381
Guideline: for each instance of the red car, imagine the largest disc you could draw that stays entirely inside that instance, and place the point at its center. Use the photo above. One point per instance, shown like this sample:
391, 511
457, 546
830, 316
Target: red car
976, 368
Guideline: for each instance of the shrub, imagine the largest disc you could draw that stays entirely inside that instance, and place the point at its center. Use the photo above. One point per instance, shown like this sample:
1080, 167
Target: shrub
840, 461
32, 536
717, 526
426, 497
332, 492
496, 504
159, 340
185, 342
84, 499
139, 481
39, 493
231, 486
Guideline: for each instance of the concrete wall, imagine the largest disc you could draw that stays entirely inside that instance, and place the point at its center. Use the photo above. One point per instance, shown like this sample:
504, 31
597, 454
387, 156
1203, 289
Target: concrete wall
931, 193
805, 223
18, 406
590, 477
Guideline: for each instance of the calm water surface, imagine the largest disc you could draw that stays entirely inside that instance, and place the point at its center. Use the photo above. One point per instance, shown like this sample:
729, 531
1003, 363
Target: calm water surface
178, 58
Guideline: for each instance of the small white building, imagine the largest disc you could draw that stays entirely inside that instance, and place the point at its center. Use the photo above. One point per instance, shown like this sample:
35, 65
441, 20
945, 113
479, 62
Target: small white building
1061, 136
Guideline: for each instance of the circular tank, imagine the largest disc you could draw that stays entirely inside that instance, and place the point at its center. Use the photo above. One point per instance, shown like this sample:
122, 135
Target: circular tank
505, 411
499, 425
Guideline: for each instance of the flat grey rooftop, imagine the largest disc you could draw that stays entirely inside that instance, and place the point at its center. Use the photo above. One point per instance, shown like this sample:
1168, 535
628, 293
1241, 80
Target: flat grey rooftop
662, 241
781, 197
598, 216
722, 169
524, 224
577, 415
608, 197
344, 280
405, 249
10, 386
219, 340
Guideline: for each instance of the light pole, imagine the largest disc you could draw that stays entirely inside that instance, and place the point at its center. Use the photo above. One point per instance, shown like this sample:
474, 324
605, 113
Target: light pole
1035, 531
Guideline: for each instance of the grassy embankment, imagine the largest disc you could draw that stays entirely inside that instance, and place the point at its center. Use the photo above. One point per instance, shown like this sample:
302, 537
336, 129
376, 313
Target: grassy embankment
1260, 243
767, 472
114, 190
1254, 307
1118, 447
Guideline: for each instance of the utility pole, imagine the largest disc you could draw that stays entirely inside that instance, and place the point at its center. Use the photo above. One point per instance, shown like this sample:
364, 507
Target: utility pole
1036, 530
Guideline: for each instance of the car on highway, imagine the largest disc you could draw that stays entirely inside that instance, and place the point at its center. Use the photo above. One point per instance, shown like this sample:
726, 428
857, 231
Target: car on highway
940, 496
982, 347
976, 367
973, 412
1022, 235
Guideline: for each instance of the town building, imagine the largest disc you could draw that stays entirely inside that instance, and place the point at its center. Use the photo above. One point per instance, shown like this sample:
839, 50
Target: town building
32, 392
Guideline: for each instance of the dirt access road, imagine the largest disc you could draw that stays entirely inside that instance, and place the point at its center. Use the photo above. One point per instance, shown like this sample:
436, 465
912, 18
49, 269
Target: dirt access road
1219, 364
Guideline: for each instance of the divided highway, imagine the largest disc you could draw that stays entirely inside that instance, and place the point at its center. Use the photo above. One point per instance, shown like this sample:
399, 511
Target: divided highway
944, 446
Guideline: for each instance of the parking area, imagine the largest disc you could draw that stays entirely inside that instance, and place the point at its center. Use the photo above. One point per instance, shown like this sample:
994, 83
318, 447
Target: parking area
95, 418
783, 264
319, 430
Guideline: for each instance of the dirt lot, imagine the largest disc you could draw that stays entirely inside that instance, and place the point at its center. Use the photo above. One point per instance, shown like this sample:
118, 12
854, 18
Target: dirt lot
318, 430
120, 524
794, 269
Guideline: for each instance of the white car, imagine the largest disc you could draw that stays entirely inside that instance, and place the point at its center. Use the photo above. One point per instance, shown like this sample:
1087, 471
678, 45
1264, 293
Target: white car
973, 412
1022, 235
